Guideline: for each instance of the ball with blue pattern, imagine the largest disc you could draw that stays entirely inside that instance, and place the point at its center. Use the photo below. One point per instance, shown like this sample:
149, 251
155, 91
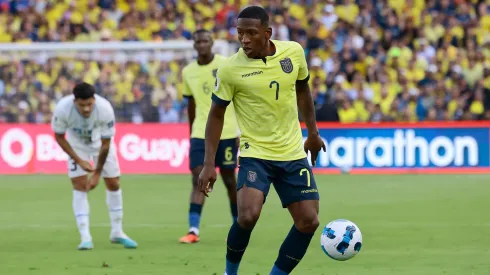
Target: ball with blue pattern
341, 240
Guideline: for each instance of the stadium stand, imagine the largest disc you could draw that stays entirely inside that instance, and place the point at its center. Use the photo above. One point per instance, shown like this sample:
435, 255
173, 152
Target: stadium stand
384, 60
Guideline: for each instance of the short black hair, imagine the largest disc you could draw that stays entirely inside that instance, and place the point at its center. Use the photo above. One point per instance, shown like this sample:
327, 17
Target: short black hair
200, 31
255, 12
83, 91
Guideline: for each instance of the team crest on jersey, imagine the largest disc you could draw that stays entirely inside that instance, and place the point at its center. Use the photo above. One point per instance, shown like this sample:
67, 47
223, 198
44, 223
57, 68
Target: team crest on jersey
215, 72
286, 65
252, 176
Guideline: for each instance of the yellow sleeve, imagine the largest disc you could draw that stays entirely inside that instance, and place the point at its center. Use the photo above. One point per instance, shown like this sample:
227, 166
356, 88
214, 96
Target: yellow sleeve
224, 88
303, 73
186, 90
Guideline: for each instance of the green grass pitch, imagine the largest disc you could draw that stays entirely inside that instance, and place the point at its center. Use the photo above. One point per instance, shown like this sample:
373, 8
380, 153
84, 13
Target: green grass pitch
416, 224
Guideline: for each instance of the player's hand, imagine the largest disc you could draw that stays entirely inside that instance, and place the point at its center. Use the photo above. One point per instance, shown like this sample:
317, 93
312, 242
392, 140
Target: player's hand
313, 144
206, 180
93, 181
85, 165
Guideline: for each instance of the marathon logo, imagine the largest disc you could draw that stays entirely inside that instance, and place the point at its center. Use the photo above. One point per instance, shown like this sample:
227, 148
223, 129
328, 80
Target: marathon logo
401, 148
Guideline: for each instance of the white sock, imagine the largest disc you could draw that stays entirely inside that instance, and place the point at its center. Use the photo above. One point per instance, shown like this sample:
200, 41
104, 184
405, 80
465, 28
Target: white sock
115, 205
194, 230
81, 209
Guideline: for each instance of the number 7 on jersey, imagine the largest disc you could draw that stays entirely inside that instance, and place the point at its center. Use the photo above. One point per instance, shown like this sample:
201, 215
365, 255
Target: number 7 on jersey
277, 88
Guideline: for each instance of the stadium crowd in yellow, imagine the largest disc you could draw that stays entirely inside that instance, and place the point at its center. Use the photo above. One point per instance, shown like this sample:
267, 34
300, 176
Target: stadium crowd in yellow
390, 60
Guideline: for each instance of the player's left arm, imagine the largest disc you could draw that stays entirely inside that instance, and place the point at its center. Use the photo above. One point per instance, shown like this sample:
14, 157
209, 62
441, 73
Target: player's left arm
103, 153
313, 143
306, 105
303, 94
107, 133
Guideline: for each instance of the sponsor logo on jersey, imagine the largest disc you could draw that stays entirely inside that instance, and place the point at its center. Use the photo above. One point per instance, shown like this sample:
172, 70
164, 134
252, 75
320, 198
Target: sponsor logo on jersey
252, 74
216, 83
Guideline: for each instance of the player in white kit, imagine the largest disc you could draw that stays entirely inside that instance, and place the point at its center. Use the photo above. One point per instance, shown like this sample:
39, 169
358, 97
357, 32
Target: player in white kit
89, 124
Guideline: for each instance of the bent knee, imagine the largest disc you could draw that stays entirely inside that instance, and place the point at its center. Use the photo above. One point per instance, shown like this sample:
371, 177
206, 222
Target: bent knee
80, 183
308, 224
112, 184
248, 218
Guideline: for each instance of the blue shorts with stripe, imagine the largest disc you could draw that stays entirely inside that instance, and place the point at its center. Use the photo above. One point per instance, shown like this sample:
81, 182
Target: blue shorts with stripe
226, 155
293, 180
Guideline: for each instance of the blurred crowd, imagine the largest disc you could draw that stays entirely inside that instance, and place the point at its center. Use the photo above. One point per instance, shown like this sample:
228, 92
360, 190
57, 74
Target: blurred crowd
370, 60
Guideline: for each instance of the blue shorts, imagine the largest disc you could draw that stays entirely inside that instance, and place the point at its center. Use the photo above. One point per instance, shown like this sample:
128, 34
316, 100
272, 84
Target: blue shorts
293, 180
225, 155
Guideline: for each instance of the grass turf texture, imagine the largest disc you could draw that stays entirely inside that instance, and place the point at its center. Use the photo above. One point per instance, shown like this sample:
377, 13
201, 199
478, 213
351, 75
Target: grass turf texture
416, 224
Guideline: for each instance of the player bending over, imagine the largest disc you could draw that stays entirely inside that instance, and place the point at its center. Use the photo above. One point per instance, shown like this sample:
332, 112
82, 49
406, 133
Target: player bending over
267, 82
199, 79
88, 121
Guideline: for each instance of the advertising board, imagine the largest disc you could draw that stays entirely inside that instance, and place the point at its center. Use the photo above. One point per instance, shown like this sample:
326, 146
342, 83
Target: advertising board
354, 148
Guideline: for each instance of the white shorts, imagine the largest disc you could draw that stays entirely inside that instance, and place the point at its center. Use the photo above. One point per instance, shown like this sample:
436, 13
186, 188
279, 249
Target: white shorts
110, 169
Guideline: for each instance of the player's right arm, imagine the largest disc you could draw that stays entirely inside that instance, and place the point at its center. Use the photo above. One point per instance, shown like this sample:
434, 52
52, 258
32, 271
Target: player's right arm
221, 97
214, 128
59, 126
191, 111
191, 103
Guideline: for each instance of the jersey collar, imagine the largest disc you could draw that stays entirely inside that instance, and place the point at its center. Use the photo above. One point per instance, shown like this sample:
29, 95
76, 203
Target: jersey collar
264, 59
212, 60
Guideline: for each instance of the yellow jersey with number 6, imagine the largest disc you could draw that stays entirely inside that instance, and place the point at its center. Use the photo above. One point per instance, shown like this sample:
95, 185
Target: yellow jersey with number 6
263, 93
199, 81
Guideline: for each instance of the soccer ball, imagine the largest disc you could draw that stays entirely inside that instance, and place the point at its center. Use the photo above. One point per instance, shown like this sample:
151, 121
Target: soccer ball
341, 240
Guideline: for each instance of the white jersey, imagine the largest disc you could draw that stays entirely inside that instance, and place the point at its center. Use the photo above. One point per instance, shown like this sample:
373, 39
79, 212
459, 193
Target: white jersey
84, 133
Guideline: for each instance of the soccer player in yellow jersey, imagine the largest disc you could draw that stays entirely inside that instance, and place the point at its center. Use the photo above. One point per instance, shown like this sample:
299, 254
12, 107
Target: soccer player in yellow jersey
267, 81
199, 78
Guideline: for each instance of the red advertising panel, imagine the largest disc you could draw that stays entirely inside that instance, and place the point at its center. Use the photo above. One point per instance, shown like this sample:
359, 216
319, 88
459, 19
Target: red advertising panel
142, 149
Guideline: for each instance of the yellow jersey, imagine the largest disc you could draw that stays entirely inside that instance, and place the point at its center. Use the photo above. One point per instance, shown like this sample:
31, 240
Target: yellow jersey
263, 92
198, 83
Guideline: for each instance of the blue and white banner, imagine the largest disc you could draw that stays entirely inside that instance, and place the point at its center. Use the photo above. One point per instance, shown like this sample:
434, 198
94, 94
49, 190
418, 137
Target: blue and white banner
404, 149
